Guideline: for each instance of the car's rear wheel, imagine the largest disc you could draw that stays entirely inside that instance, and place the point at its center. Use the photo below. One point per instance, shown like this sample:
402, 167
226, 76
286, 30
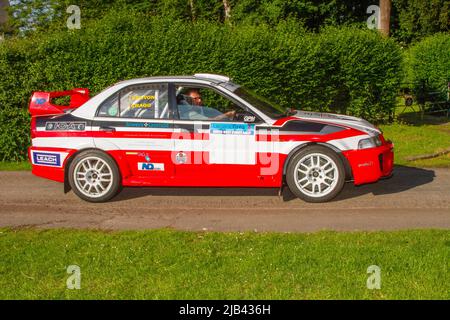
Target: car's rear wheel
94, 176
315, 174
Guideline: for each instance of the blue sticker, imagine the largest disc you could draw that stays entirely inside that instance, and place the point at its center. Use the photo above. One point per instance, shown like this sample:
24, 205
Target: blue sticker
40, 101
145, 166
47, 159
232, 128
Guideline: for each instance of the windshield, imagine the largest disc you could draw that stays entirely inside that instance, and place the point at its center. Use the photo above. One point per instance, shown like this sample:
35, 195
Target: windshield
270, 109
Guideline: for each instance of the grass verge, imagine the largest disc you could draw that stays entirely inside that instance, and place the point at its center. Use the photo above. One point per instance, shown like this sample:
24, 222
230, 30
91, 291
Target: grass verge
166, 264
14, 166
414, 140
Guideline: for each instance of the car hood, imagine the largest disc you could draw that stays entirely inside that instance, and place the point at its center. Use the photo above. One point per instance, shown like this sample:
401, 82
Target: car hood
338, 119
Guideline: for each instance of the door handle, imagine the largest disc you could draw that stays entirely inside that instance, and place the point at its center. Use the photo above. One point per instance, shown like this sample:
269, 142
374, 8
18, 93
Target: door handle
107, 129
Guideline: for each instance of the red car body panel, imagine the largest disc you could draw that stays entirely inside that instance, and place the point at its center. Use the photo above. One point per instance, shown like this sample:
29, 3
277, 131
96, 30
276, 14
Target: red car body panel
370, 165
367, 166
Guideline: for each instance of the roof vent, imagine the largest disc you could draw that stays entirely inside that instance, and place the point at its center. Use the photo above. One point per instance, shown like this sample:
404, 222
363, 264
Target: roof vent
210, 76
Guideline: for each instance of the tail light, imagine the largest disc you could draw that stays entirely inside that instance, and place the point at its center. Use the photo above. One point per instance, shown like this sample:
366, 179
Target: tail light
33, 127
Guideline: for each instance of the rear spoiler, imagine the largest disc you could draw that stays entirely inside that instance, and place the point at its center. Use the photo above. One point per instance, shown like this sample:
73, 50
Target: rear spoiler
41, 102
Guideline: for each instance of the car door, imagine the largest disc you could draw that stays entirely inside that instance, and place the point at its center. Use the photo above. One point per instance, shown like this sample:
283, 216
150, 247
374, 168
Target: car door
135, 126
212, 148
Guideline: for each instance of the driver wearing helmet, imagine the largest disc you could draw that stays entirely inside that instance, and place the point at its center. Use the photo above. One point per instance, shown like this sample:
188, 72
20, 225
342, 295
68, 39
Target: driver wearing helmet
196, 112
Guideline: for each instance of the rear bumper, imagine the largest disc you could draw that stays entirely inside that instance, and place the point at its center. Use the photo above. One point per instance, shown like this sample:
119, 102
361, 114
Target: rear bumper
370, 165
49, 163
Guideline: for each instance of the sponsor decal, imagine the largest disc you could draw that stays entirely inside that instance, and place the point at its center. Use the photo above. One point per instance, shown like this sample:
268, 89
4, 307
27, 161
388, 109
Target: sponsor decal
232, 128
148, 166
249, 119
143, 97
65, 126
141, 101
181, 158
146, 125
139, 154
311, 114
113, 111
140, 105
47, 159
232, 143
365, 164
40, 101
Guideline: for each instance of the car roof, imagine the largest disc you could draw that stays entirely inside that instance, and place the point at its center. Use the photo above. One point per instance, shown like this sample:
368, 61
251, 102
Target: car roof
214, 78
87, 110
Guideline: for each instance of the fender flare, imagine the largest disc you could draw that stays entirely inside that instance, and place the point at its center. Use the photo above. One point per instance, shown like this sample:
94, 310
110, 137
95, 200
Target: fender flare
69, 160
347, 167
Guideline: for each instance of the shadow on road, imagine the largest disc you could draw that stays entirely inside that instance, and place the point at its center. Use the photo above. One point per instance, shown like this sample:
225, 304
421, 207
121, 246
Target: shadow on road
132, 192
404, 178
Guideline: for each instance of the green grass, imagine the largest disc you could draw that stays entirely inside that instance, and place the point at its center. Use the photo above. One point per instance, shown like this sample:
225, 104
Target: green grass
166, 264
414, 140
15, 166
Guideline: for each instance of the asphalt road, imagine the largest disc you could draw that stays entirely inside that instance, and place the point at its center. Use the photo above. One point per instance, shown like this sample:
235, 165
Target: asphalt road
413, 199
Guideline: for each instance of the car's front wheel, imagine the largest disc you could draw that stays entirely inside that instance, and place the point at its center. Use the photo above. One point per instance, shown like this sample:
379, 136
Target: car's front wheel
315, 174
94, 176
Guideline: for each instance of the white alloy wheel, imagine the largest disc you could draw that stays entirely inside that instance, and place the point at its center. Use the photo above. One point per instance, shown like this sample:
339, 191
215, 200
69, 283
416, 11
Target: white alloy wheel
316, 175
93, 177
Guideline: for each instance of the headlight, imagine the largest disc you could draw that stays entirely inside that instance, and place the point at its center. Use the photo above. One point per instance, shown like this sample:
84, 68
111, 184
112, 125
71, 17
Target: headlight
371, 142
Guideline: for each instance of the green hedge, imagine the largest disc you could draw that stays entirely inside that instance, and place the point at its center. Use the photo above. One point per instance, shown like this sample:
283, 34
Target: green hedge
345, 70
429, 62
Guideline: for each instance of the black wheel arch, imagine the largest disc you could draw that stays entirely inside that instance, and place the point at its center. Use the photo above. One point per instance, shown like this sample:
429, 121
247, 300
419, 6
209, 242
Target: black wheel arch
347, 167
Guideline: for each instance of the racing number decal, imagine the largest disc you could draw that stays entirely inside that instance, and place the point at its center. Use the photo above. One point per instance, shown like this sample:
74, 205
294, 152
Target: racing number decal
232, 143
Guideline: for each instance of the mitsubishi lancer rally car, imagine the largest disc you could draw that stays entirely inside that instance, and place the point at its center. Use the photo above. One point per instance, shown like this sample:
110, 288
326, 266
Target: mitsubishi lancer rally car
203, 131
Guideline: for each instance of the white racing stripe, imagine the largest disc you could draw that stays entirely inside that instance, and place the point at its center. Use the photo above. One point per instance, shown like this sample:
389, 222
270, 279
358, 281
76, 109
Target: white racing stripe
109, 144
136, 129
186, 145
64, 142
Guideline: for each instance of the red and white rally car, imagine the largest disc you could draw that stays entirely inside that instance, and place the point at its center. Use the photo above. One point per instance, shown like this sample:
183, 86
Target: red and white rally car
202, 131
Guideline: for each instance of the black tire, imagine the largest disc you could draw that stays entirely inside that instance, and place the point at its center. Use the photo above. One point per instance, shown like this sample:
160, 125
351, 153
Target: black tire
113, 187
305, 194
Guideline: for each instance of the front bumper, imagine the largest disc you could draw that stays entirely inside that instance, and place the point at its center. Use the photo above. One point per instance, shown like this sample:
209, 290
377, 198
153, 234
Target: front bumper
370, 165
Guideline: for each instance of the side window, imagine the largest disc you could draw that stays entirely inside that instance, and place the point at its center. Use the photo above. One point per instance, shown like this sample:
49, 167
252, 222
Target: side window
199, 103
146, 101
110, 107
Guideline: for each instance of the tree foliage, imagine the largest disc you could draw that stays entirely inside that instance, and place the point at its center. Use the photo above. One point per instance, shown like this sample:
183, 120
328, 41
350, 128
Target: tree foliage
429, 64
415, 19
411, 19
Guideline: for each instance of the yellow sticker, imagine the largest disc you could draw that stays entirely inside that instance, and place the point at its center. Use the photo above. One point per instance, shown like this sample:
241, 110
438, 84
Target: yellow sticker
141, 106
136, 98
